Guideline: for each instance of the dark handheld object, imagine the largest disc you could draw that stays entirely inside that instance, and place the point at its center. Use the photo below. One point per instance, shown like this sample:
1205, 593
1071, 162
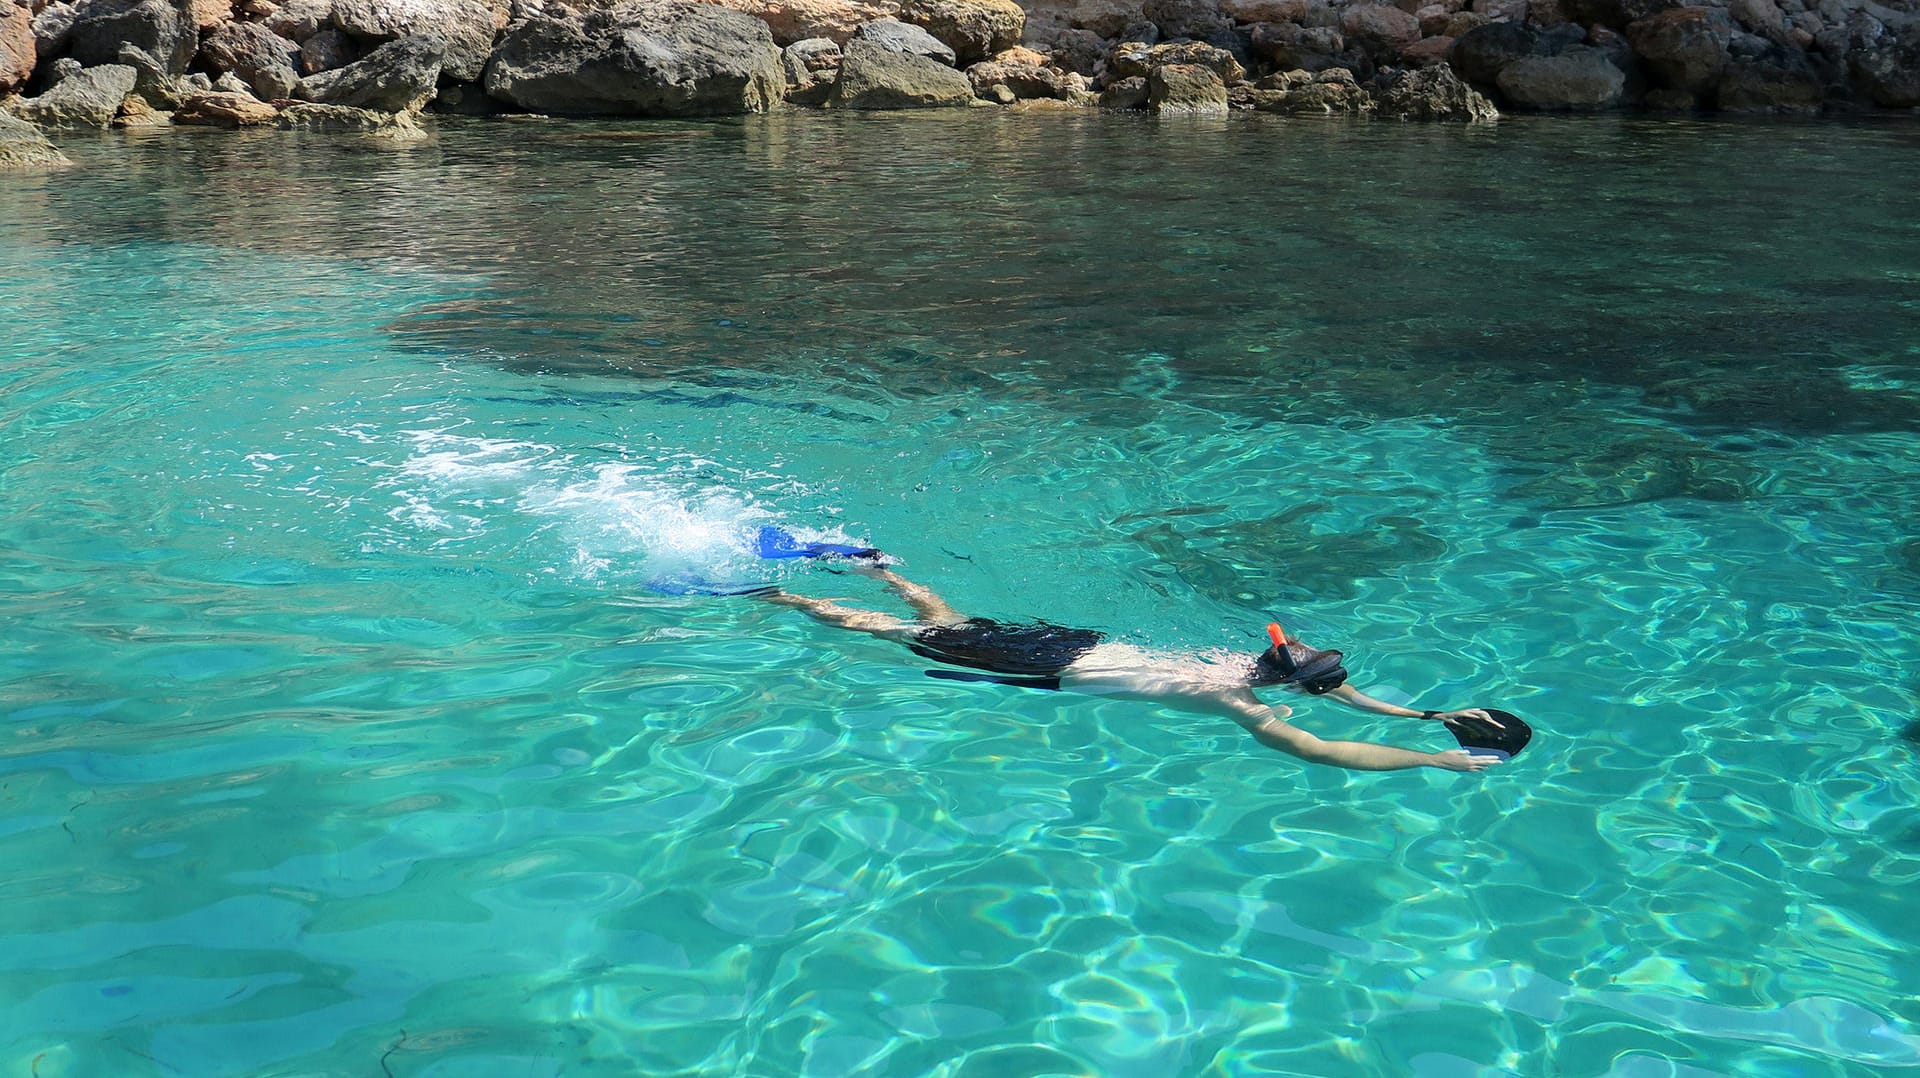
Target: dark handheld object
1482, 738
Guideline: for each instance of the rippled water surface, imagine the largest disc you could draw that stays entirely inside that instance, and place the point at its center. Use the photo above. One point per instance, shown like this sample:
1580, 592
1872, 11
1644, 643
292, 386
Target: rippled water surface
339, 733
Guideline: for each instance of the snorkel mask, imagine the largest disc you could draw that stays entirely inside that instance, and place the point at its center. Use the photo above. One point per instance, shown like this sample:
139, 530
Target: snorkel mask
1290, 662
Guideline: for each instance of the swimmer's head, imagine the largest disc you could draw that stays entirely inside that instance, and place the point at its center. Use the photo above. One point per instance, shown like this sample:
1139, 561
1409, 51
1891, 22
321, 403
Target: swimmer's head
1289, 662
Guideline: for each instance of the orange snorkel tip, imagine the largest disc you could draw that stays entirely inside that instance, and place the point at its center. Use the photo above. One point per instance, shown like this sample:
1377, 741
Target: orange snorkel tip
1277, 634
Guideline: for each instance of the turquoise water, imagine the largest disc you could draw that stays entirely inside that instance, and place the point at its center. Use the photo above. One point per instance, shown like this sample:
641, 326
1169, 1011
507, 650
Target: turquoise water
341, 735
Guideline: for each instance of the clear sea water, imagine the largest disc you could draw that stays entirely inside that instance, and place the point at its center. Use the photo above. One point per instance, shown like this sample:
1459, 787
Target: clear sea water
339, 734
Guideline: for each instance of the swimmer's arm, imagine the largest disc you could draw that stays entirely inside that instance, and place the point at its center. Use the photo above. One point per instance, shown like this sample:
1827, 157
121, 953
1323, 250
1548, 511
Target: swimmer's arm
1360, 701
1269, 729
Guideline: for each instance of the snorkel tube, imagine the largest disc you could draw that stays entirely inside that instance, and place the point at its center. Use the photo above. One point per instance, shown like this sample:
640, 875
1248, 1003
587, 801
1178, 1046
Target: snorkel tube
1289, 662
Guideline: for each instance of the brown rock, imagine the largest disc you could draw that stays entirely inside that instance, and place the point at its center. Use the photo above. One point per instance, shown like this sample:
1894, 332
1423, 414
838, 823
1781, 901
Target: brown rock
218, 109
799, 20
1379, 28
1133, 58
136, 112
327, 50
1022, 81
1427, 50
1127, 93
1252, 11
17, 52
212, 14
973, 29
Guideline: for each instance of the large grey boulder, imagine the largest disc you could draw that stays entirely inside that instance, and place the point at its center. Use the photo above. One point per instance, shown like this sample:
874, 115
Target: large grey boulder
400, 76
167, 30
87, 98
1579, 79
23, 146
51, 26
668, 59
908, 38
466, 25
873, 76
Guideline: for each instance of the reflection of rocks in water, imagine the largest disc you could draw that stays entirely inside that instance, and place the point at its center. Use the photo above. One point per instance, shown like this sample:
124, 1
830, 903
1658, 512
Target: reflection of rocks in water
1807, 401
1587, 465
1907, 556
1283, 558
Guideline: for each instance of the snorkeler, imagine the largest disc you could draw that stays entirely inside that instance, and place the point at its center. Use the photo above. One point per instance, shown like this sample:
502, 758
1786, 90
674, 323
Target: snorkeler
1043, 656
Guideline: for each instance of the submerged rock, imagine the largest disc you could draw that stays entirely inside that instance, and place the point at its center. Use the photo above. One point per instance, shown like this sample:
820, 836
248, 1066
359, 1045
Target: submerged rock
875, 77
23, 146
666, 60
87, 98
342, 120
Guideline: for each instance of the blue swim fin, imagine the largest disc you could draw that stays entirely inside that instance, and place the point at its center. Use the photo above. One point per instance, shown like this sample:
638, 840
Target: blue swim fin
775, 542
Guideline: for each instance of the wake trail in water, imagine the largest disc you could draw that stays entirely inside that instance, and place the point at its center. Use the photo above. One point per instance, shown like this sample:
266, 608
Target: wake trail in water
552, 512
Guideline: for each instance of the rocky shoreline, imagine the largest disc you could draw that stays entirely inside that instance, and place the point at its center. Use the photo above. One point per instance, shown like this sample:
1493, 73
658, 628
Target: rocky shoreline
372, 66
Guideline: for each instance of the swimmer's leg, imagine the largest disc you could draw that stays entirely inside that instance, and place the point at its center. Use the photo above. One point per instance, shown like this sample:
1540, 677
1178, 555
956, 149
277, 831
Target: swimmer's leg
828, 612
928, 605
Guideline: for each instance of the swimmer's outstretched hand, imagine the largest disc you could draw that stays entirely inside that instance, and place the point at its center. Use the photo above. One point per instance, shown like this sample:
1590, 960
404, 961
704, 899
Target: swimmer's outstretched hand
1462, 760
1475, 714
